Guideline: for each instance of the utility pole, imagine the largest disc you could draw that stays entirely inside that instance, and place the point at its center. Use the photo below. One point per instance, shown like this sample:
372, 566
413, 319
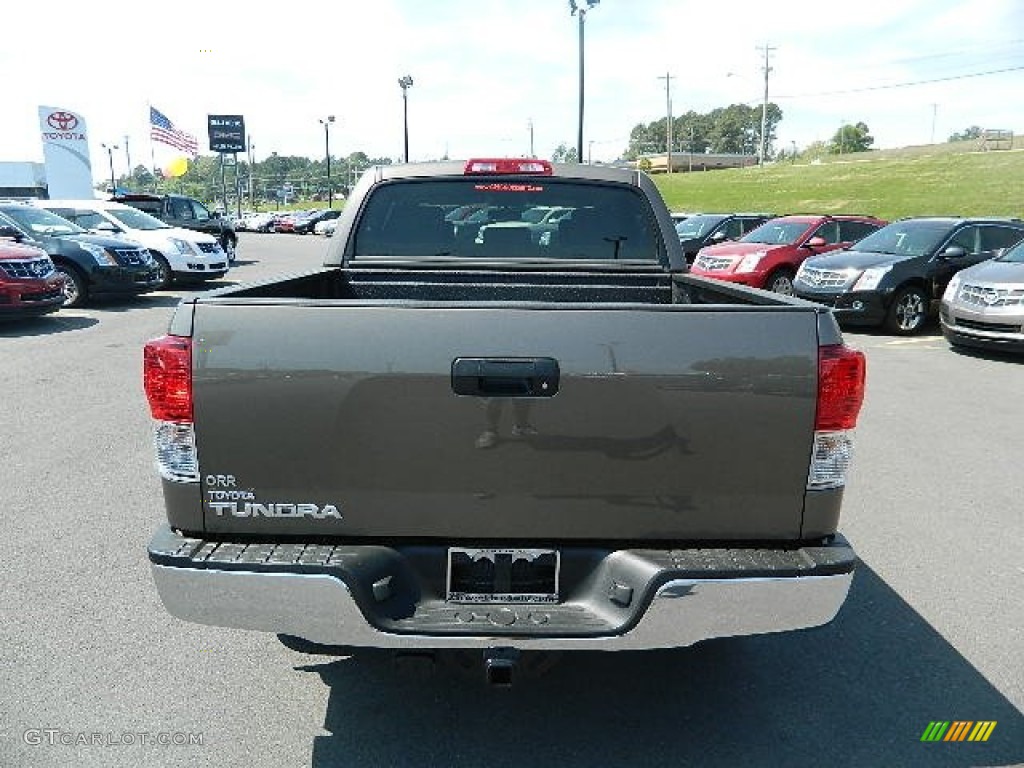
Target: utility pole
768, 50
667, 77
529, 123
935, 114
128, 159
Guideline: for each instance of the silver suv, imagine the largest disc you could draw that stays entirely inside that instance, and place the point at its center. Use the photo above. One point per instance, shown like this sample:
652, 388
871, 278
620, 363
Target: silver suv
983, 306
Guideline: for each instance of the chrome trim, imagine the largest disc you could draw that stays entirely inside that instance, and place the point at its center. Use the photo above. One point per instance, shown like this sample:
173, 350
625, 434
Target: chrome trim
321, 609
990, 296
713, 263
823, 278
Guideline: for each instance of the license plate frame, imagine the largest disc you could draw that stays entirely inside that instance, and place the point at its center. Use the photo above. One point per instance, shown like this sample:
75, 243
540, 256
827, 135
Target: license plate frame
503, 558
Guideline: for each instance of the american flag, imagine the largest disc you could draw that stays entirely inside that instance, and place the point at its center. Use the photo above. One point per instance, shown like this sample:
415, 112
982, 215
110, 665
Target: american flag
161, 129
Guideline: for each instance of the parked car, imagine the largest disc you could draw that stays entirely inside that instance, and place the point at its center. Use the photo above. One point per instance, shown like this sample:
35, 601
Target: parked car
91, 265
769, 256
326, 227
699, 230
30, 286
896, 276
180, 254
258, 222
983, 305
305, 225
187, 213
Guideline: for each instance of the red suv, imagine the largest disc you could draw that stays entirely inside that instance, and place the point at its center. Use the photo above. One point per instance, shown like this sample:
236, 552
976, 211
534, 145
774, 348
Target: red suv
769, 256
29, 284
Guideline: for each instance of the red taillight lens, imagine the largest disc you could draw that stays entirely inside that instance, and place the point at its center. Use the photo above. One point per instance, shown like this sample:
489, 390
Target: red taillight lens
841, 376
508, 165
167, 378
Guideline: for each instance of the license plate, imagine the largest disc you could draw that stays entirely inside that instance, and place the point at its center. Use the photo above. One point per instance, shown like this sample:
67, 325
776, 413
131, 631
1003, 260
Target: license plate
503, 575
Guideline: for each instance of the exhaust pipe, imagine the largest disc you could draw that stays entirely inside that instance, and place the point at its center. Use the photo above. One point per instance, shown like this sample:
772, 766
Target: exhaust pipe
499, 664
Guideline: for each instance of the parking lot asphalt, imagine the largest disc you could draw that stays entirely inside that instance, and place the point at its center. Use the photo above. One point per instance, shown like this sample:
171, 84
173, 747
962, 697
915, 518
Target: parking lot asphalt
93, 672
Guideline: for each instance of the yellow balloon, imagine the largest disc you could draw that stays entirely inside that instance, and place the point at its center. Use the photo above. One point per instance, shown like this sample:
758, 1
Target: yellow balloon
176, 167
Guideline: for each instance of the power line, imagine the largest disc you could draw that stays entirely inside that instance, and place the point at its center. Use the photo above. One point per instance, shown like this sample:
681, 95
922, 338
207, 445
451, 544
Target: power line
907, 84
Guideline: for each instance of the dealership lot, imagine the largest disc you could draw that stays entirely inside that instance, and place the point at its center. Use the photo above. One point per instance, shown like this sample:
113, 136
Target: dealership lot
932, 629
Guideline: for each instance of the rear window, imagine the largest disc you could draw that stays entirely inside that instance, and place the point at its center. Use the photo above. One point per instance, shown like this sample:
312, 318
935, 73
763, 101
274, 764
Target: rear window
512, 217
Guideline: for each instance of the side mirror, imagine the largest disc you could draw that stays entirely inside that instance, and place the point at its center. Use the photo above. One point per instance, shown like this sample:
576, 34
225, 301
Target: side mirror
953, 252
815, 242
11, 232
719, 236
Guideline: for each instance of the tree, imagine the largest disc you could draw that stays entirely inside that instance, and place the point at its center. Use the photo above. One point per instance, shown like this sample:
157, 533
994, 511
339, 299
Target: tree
732, 129
968, 134
564, 154
851, 138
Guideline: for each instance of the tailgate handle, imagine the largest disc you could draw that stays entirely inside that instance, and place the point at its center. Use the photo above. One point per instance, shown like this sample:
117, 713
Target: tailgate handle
505, 377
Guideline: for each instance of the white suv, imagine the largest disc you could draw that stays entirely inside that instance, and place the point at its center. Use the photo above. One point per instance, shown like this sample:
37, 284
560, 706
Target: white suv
181, 253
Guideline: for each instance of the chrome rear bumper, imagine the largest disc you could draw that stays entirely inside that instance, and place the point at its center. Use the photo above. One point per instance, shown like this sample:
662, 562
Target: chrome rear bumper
323, 608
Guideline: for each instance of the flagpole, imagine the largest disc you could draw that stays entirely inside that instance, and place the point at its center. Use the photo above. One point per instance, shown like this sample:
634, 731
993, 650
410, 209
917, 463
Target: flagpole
152, 152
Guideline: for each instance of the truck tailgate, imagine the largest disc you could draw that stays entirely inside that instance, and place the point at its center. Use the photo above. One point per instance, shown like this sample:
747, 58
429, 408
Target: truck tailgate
669, 422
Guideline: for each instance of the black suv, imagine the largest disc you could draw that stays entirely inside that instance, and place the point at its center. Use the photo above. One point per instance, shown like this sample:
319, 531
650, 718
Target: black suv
701, 229
895, 277
91, 264
181, 211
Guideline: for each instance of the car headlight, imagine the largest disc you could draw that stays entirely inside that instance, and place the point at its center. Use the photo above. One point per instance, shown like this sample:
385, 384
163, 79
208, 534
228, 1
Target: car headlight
951, 288
183, 246
99, 255
749, 262
870, 278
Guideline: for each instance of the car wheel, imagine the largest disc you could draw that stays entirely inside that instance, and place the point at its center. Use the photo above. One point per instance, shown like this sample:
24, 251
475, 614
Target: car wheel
908, 311
163, 271
780, 281
76, 292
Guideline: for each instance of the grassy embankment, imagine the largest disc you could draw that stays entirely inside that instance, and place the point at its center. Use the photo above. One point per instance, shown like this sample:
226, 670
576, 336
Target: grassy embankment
951, 179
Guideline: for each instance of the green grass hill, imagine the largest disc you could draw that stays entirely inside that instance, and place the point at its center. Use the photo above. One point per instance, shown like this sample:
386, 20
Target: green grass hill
941, 179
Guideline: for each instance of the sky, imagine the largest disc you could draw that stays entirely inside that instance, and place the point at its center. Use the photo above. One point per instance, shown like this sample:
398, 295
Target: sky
485, 71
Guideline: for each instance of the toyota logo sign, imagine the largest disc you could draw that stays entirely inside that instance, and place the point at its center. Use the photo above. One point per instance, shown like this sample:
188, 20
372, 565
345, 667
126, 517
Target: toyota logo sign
62, 121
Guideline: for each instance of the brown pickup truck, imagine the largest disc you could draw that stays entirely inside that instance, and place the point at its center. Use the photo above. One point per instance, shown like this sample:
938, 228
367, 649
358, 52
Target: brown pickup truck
455, 439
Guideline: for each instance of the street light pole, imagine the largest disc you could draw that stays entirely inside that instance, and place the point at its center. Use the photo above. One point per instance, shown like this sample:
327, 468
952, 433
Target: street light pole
252, 205
327, 153
128, 159
576, 10
405, 83
110, 155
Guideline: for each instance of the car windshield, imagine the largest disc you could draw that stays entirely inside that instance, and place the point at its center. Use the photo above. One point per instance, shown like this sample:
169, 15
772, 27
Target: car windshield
594, 221
777, 233
135, 219
696, 226
1014, 254
41, 222
906, 238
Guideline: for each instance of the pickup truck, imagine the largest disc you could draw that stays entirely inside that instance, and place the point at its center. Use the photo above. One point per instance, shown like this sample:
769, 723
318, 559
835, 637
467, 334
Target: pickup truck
184, 212
434, 443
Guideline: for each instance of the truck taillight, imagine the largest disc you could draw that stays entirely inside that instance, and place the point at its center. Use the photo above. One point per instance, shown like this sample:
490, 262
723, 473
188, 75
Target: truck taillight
167, 379
841, 377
